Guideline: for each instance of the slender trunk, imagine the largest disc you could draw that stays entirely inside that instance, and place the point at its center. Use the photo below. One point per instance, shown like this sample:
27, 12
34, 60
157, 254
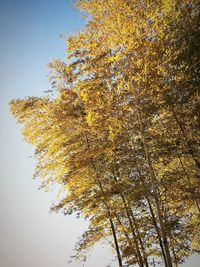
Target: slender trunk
133, 225
189, 182
140, 259
139, 238
175, 259
151, 170
155, 192
133, 233
191, 150
157, 231
174, 256
115, 239
127, 236
110, 220
97, 180
183, 167
152, 215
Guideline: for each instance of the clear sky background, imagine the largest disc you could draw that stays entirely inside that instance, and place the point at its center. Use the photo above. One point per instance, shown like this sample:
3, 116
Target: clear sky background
29, 235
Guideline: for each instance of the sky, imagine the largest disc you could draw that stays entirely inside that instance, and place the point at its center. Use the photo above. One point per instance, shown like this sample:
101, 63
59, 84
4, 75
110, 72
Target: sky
31, 236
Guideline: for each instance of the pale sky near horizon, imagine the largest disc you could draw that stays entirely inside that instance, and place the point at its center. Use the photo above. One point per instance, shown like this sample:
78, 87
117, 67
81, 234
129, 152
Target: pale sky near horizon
29, 235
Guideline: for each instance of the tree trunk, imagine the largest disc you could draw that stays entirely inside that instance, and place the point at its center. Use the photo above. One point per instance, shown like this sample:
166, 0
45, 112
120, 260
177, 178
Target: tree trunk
97, 180
140, 259
152, 215
127, 236
155, 192
191, 149
139, 238
189, 182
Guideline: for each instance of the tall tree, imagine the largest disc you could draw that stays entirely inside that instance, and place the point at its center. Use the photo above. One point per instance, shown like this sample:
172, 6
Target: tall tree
120, 134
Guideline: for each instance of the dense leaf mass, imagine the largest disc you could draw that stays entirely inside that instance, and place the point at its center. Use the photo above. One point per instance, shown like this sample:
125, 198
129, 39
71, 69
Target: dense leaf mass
120, 135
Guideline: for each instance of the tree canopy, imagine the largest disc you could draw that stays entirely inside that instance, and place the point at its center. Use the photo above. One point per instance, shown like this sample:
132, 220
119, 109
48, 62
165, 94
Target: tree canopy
120, 134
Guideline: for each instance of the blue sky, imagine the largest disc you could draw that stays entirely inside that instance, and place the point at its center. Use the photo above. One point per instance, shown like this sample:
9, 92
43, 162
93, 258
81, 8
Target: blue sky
30, 236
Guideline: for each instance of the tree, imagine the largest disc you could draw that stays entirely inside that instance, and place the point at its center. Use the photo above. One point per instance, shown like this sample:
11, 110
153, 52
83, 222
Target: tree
120, 134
